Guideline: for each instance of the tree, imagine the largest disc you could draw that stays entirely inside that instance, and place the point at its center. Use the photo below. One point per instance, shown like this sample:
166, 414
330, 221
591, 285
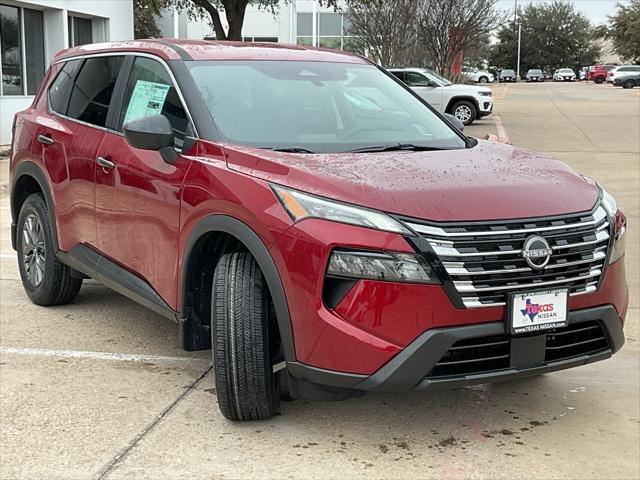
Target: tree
446, 28
624, 31
144, 21
554, 35
233, 10
385, 29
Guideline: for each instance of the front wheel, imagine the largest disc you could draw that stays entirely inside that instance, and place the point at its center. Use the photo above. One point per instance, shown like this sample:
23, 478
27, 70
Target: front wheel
46, 281
628, 84
464, 111
599, 80
243, 345
483, 80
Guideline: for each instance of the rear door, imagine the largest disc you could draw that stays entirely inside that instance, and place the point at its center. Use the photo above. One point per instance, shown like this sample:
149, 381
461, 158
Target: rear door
426, 88
79, 100
138, 194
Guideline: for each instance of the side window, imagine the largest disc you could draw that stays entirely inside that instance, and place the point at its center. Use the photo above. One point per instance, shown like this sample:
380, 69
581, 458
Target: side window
150, 91
61, 87
416, 80
93, 89
398, 75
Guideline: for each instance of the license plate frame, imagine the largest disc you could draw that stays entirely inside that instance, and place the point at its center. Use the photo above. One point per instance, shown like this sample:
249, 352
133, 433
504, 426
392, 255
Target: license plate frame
543, 319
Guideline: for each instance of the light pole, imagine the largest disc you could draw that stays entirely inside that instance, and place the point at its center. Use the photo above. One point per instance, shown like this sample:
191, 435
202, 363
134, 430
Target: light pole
519, 43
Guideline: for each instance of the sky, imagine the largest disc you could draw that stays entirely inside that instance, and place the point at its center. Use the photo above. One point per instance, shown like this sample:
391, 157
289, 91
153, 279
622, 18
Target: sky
595, 10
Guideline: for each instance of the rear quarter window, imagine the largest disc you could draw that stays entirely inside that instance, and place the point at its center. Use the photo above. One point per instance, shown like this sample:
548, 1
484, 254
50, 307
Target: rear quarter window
93, 89
62, 86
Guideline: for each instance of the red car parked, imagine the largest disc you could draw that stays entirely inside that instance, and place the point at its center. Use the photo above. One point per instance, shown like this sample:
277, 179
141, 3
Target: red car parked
312, 219
599, 73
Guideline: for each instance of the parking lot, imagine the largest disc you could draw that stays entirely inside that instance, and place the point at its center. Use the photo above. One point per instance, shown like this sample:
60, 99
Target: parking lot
101, 389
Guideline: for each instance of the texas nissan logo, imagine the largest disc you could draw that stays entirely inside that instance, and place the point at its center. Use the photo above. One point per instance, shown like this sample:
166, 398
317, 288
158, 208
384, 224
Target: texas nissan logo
537, 252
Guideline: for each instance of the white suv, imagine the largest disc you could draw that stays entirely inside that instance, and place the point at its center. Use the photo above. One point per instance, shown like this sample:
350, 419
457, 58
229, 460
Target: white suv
476, 75
622, 71
466, 102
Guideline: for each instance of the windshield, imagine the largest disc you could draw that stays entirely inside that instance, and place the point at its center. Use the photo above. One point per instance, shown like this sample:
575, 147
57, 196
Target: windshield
535, 72
439, 78
315, 106
566, 70
508, 72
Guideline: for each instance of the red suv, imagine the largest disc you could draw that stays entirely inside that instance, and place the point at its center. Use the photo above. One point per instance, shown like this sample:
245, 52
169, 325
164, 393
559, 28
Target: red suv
599, 73
312, 219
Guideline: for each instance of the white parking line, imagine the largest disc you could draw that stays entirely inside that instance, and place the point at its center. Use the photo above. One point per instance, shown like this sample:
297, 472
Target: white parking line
113, 357
503, 137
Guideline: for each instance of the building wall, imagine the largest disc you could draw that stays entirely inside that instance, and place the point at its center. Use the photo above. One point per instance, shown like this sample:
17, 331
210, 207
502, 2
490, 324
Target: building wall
111, 20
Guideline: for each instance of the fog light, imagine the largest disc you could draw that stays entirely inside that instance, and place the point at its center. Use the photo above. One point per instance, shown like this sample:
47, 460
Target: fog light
390, 267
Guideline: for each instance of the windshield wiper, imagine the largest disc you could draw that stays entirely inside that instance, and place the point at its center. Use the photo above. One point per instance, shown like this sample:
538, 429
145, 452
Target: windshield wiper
290, 150
395, 147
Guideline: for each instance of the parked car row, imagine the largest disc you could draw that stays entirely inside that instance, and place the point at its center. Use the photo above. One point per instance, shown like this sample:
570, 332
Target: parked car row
615, 74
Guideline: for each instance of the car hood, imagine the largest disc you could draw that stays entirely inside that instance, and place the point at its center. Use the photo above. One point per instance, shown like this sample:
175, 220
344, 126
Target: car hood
488, 182
469, 89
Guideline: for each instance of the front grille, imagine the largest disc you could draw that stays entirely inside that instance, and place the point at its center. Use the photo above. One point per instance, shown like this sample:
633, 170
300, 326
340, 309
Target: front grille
475, 355
489, 354
484, 261
577, 339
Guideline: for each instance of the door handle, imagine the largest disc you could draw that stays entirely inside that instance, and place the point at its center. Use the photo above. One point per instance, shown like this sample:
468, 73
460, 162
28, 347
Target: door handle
104, 163
46, 140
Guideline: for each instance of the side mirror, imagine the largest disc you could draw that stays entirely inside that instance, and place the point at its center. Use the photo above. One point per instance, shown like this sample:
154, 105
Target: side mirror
152, 133
453, 119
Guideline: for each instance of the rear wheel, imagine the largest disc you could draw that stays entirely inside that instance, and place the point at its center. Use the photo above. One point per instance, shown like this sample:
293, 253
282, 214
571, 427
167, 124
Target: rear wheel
483, 79
464, 111
46, 281
628, 84
599, 79
243, 346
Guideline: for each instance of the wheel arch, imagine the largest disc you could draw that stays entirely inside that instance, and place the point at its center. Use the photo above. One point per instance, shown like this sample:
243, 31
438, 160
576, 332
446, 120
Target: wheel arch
456, 99
220, 225
28, 178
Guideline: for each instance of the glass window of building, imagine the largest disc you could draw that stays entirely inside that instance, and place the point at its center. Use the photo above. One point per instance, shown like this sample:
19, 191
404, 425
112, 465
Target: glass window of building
80, 31
22, 63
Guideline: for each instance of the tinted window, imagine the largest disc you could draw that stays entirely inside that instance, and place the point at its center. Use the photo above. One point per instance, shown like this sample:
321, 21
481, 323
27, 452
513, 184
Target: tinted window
415, 79
61, 87
34, 48
150, 91
93, 89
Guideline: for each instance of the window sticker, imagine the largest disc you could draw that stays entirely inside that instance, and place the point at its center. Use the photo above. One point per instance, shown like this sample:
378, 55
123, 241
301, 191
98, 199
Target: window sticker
147, 99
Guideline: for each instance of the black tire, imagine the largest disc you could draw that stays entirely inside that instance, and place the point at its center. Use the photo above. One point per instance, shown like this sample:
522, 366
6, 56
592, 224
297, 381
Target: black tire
54, 284
599, 79
483, 79
466, 106
628, 84
246, 386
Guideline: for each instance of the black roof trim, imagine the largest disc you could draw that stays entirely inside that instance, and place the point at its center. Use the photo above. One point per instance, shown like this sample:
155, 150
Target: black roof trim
177, 48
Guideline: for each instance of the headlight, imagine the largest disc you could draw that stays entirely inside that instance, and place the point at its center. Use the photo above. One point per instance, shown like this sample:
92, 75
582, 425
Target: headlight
619, 226
385, 266
485, 94
609, 203
301, 205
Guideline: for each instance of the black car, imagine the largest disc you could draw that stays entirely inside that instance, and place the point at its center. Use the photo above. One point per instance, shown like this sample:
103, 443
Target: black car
508, 75
535, 75
628, 81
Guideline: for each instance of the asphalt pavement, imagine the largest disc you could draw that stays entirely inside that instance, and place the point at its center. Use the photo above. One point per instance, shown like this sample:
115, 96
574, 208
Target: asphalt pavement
101, 389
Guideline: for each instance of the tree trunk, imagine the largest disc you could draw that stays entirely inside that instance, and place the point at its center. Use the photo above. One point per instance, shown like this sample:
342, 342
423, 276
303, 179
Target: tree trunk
235, 11
215, 18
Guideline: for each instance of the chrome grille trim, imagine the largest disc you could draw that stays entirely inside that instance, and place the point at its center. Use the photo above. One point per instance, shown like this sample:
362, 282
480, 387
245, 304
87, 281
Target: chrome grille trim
483, 263
464, 287
599, 215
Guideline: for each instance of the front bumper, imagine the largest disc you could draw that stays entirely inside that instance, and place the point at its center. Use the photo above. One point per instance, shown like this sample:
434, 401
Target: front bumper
410, 369
485, 106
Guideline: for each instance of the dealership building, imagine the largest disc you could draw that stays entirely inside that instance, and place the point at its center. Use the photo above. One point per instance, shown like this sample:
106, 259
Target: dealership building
302, 22
32, 31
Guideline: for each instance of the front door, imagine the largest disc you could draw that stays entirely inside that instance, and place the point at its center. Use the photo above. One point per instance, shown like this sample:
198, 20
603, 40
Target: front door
137, 192
426, 88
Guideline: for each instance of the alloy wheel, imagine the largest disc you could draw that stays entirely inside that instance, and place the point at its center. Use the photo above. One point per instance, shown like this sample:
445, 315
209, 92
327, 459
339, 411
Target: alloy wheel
463, 113
33, 249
